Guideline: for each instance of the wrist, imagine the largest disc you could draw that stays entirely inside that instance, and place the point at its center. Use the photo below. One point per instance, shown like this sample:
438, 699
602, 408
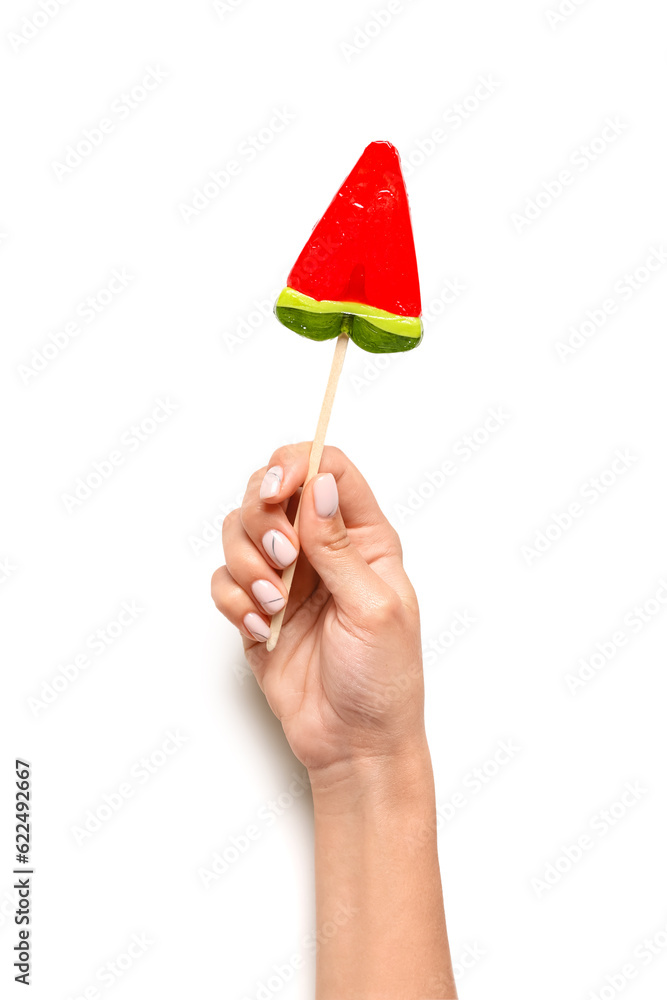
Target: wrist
389, 780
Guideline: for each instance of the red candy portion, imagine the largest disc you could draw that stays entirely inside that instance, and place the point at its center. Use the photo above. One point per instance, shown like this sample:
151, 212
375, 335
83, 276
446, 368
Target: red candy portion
362, 249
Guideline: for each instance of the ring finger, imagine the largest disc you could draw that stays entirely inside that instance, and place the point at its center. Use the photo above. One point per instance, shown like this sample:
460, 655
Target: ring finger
248, 567
236, 605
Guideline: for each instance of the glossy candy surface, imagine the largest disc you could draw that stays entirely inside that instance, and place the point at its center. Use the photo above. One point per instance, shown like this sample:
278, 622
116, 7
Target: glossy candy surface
360, 263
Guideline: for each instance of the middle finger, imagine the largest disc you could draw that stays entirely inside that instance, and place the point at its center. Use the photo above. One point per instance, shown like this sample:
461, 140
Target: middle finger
268, 526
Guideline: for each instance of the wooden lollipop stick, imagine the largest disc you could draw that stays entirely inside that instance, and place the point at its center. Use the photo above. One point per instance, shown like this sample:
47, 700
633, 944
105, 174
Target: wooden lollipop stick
316, 450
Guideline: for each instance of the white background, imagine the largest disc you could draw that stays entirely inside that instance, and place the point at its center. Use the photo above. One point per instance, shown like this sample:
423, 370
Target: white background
188, 328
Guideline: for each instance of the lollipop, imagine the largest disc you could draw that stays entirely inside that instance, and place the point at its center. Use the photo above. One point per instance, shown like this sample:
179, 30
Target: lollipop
360, 263
355, 279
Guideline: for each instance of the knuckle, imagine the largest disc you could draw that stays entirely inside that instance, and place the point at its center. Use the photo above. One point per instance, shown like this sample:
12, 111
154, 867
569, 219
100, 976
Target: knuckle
230, 519
316, 601
216, 587
395, 540
388, 610
282, 455
286, 456
411, 604
244, 515
338, 540
335, 454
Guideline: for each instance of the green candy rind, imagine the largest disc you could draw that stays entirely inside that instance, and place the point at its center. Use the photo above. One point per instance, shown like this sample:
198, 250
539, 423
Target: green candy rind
315, 326
326, 326
370, 338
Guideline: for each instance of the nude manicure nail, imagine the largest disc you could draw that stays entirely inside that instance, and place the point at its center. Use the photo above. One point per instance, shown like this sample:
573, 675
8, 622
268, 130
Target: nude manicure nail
256, 626
325, 495
268, 596
279, 548
271, 483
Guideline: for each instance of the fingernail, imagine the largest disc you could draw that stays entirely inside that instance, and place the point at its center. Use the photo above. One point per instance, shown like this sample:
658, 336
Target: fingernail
271, 483
268, 596
257, 626
325, 495
279, 548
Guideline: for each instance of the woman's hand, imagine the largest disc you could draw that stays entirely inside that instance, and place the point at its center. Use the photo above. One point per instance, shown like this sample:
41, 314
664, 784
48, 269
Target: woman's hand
346, 682
345, 679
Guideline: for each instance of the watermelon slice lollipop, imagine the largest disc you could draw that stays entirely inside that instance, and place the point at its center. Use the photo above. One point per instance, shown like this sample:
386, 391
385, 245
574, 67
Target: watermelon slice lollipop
356, 278
360, 262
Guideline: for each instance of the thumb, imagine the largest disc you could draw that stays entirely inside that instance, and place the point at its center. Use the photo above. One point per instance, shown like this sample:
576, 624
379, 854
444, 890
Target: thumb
345, 573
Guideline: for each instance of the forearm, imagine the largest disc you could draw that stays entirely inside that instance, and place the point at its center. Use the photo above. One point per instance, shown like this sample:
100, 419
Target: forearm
378, 886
